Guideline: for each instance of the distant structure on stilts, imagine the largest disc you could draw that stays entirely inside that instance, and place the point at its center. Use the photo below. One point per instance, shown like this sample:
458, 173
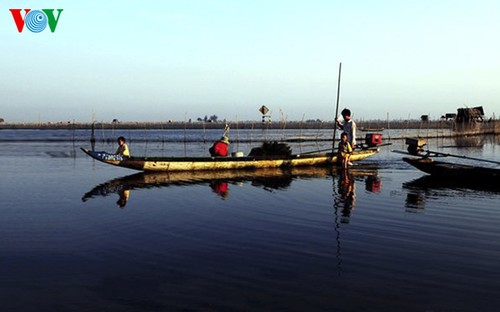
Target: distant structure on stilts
471, 121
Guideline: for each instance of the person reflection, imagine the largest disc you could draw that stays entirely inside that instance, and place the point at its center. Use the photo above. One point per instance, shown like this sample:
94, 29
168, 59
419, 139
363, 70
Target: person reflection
347, 195
373, 184
124, 195
220, 188
415, 201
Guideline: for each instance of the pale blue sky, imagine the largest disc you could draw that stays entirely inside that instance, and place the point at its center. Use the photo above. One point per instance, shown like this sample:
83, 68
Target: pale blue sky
173, 59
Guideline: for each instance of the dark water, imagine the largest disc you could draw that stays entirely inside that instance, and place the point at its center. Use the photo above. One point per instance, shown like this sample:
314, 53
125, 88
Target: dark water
77, 235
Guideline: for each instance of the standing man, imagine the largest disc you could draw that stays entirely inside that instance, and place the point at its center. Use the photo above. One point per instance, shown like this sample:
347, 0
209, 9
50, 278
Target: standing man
349, 126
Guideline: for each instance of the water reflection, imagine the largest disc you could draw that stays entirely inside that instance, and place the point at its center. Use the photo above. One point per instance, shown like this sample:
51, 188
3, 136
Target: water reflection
470, 141
344, 199
428, 187
345, 192
415, 201
220, 188
220, 182
346, 196
123, 197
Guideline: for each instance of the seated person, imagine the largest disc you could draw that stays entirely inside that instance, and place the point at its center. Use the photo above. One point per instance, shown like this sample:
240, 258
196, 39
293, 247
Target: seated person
122, 148
220, 148
345, 151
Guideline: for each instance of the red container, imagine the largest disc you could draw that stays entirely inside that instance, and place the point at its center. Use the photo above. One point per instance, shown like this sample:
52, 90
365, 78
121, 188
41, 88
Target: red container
373, 139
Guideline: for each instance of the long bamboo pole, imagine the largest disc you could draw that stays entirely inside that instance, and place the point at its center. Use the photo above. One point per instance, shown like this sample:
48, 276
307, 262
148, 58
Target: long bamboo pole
336, 110
462, 156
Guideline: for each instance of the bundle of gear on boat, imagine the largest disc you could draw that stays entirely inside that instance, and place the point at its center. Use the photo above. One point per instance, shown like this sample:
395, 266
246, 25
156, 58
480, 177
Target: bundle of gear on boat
274, 148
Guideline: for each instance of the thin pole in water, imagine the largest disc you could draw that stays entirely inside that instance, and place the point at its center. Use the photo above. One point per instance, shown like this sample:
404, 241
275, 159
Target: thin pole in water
336, 110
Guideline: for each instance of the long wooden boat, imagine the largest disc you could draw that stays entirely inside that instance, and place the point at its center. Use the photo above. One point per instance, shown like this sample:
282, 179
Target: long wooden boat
172, 164
453, 170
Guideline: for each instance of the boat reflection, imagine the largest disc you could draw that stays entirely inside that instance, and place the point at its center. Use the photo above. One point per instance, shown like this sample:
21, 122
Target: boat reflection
219, 181
470, 141
428, 187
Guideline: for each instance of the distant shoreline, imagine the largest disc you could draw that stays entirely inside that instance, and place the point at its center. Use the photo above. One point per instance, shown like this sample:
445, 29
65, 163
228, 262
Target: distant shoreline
439, 127
372, 126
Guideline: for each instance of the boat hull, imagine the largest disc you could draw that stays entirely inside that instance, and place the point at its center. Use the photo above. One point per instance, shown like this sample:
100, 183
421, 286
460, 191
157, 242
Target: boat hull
172, 164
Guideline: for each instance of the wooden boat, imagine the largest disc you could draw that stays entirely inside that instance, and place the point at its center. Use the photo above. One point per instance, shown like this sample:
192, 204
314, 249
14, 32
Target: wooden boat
364, 129
172, 164
453, 170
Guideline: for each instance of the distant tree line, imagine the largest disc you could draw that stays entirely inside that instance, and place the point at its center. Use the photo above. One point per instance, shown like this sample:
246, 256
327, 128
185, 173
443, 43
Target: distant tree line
212, 118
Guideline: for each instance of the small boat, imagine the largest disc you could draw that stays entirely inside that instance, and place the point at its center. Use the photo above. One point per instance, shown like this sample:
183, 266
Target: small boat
365, 129
453, 170
172, 164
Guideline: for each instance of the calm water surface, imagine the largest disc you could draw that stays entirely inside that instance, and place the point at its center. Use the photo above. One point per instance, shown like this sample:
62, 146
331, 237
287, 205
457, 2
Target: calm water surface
78, 235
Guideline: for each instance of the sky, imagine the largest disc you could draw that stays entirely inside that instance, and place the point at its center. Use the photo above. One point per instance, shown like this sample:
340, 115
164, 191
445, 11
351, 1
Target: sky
184, 59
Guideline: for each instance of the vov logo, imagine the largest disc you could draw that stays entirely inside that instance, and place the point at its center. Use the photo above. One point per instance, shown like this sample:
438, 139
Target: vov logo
36, 20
